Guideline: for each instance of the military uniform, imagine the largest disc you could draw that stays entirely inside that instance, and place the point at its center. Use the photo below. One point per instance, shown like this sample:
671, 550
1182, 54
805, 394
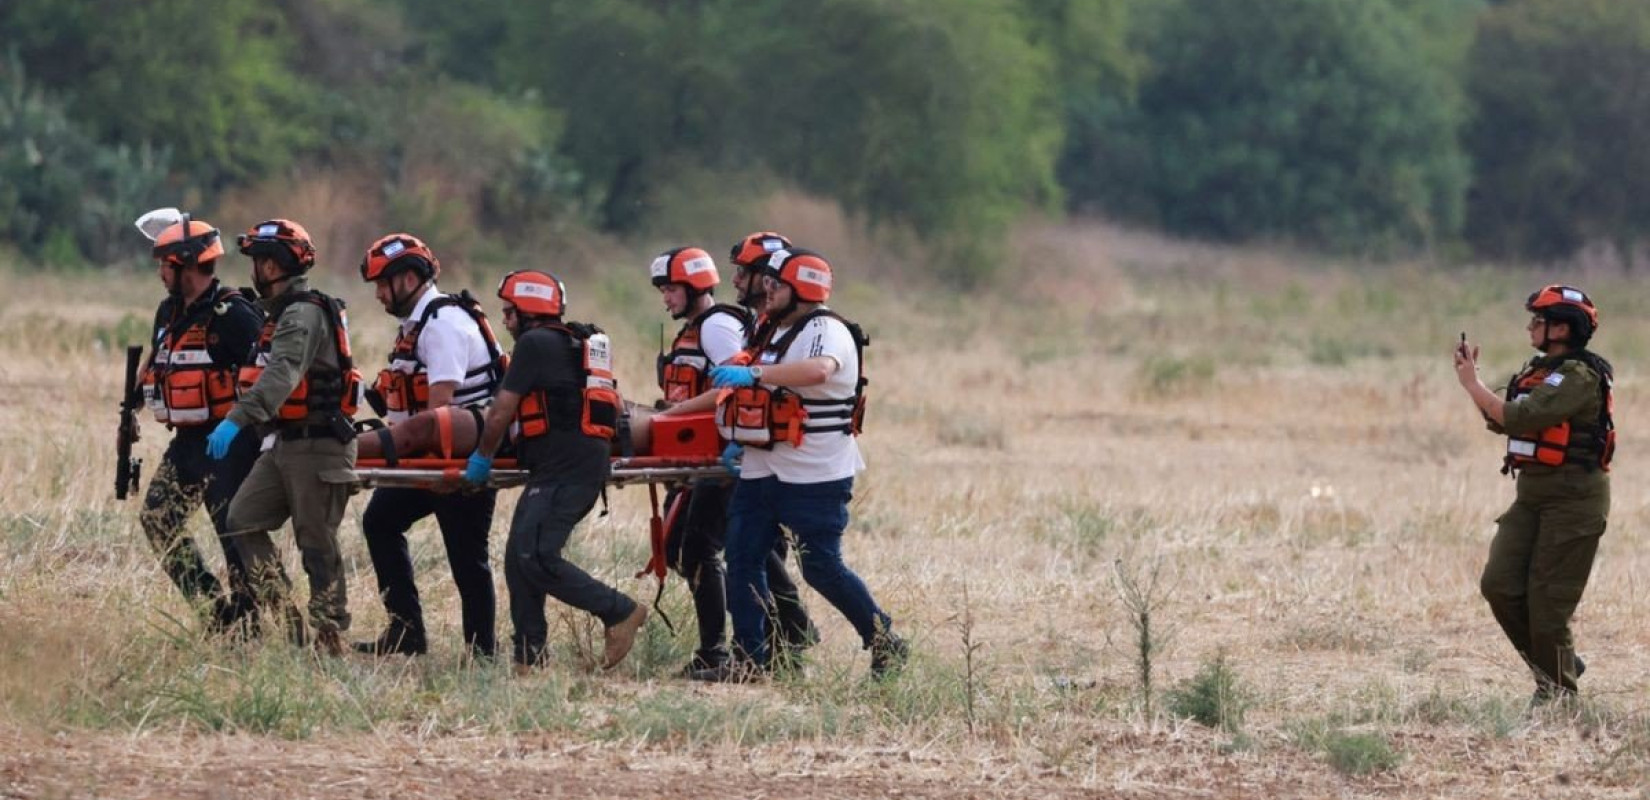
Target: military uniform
305, 474
1544, 544
226, 325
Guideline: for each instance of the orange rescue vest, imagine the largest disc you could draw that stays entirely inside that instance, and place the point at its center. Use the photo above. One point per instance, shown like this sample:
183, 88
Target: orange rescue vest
1590, 444
184, 386
320, 389
405, 384
684, 370
761, 416
598, 400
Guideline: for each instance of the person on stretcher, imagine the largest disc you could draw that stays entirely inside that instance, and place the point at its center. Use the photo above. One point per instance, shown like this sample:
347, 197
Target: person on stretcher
449, 433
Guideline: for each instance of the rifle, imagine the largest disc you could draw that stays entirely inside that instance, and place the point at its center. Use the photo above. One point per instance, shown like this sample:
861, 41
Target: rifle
127, 468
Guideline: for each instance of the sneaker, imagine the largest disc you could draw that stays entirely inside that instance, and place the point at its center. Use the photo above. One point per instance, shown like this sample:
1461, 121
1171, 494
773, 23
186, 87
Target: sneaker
329, 643
888, 655
733, 670
394, 641
621, 636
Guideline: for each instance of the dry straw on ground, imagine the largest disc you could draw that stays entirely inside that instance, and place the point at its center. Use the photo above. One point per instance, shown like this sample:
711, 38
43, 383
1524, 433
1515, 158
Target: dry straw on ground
1281, 441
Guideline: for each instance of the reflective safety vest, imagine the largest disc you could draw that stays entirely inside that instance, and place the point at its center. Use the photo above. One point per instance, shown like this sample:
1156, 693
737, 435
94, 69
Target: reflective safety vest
321, 389
684, 370
183, 386
1592, 445
594, 409
762, 416
405, 384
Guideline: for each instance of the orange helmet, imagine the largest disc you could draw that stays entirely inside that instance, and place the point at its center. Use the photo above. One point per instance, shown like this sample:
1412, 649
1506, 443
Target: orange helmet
202, 244
689, 266
397, 253
282, 239
753, 250
533, 293
1566, 304
806, 272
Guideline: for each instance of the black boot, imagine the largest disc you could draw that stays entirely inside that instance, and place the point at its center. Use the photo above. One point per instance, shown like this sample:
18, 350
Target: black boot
395, 640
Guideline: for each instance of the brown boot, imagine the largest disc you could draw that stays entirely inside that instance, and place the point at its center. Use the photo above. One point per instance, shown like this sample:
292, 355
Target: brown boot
329, 643
619, 638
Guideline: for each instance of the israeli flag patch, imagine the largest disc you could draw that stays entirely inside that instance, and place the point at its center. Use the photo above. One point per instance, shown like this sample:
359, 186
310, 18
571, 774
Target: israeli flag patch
1574, 296
1553, 379
268, 231
394, 248
770, 245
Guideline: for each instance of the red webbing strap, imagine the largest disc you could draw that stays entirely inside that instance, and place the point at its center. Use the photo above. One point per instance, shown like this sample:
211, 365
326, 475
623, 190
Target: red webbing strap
657, 563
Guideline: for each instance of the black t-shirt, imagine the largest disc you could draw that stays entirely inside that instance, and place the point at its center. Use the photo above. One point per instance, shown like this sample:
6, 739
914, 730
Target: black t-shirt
230, 336
550, 359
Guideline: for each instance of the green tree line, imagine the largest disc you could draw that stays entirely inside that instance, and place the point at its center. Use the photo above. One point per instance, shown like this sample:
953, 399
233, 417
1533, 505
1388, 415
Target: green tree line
1510, 129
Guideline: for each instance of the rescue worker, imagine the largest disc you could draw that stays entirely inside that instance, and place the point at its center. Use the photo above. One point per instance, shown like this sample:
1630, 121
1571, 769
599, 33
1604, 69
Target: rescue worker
203, 332
301, 388
560, 396
711, 334
444, 357
1556, 414
797, 408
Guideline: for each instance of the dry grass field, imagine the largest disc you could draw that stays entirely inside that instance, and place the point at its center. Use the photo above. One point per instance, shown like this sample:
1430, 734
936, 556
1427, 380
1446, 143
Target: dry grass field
1161, 520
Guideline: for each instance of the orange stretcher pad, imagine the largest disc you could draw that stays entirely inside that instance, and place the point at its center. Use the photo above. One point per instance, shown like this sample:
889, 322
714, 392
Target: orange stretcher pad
442, 474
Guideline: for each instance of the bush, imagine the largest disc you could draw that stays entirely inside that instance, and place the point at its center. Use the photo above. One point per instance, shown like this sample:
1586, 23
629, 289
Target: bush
1214, 697
1329, 121
1559, 134
64, 198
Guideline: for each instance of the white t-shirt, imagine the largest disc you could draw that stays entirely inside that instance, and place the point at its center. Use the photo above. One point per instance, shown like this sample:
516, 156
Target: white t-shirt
451, 345
721, 337
823, 456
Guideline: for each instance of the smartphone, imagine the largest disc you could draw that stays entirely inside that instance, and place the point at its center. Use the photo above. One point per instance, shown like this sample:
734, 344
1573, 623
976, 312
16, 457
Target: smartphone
1463, 346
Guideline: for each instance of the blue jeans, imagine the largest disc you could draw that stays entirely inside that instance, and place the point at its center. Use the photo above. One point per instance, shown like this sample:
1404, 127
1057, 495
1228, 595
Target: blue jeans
817, 514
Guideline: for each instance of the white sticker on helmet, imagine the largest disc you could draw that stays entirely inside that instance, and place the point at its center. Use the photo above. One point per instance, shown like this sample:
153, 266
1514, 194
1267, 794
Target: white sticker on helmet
538, 290
268, 231
1574, 296
817, 277
694, 266
771, 245
660, 267
778, 258
395, 248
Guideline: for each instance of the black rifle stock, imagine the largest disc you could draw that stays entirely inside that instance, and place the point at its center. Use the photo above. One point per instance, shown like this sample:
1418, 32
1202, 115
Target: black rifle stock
128, 470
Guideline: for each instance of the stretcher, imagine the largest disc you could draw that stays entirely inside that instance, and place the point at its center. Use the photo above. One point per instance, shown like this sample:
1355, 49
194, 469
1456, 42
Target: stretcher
444, 474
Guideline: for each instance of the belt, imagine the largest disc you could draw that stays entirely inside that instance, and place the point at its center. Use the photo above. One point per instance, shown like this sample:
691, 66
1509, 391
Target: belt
296, 432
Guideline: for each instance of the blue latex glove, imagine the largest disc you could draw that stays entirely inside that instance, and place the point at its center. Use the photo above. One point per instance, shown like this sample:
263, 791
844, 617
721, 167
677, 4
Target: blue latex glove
217, 444
731, 375
730, 457
477, 470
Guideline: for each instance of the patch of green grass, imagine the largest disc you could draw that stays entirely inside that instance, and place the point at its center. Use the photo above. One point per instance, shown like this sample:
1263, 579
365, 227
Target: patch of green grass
1171, 376
1348, 752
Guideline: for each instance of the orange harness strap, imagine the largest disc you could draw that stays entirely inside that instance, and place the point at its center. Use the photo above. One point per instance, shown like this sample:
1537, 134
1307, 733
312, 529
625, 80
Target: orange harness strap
444, 429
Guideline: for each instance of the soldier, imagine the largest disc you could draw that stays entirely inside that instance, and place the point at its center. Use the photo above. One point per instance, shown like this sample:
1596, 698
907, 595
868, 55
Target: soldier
560, 396
711, 334
798, 408
444, 356
1556, 414
203, 332
302, 388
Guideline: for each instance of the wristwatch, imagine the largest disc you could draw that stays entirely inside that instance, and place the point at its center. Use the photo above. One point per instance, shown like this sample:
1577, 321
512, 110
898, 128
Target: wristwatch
756, 374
